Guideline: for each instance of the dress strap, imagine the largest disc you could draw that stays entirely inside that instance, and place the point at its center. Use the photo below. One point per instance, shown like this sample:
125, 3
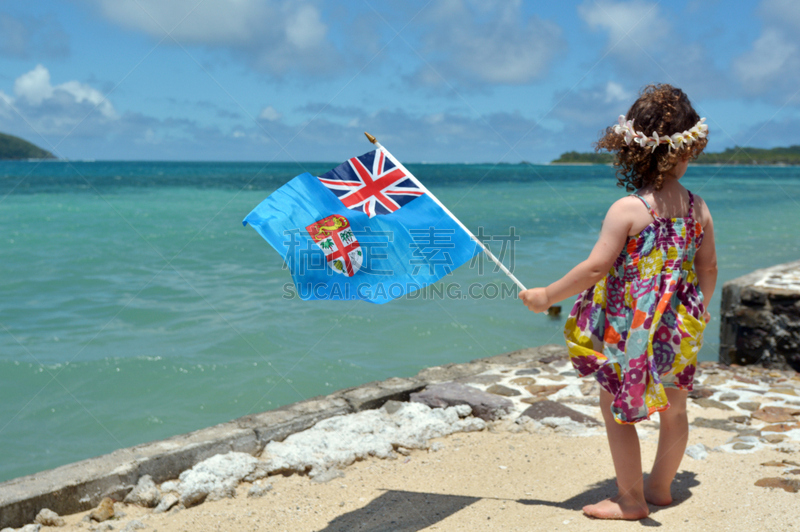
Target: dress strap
649, 208
690, 214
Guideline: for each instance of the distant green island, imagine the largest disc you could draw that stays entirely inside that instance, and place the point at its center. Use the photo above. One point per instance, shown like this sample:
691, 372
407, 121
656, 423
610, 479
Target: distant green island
574, 157
736, 155
12, 147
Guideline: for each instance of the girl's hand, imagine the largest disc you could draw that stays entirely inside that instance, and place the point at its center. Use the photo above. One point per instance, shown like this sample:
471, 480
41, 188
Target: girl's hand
707, 316
535, 299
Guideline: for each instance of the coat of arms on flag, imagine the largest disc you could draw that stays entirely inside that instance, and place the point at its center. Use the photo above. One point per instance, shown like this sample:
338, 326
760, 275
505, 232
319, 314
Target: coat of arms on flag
371, 183
335, 238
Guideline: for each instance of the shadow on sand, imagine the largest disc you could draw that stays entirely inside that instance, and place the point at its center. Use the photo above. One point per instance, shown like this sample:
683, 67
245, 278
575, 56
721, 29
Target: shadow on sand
681, 491
409, 511
400, 511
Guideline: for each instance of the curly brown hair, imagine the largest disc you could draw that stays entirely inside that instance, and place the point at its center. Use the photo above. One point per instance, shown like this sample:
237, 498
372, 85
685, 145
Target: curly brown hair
661, 109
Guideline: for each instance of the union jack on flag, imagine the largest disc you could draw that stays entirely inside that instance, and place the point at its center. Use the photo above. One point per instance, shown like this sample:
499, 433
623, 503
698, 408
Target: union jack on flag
371, 183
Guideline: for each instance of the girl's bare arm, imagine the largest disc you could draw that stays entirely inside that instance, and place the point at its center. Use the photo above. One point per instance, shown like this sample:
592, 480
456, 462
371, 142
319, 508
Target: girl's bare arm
612, 238
705, 261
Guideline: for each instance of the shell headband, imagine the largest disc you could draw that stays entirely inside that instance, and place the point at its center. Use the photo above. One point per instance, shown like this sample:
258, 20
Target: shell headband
677, 140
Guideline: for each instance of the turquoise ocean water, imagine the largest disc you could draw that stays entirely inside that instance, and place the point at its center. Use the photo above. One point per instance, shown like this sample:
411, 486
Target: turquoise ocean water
134, 305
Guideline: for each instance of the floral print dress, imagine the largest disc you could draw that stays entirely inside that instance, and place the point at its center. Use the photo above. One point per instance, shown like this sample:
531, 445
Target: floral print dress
639, 329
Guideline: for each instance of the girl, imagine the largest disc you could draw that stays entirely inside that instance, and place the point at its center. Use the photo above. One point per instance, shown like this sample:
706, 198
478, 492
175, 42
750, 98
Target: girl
644, 291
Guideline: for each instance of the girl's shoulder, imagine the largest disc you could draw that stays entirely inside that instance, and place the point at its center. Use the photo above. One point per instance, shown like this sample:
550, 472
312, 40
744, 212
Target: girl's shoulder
634, 210
634, 205
630, 203
701, 212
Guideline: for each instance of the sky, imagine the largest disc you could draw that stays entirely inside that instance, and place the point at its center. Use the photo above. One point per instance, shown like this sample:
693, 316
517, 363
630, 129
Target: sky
435, 80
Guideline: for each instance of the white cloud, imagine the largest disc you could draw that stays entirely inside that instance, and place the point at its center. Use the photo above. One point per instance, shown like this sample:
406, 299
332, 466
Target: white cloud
270, 35
641, 46
771, 59
616, 93
84, 93
772, 65
269, 113
34, 88
586, 111
305, 29
448, 136
65, 112
189, 21
631, 26
492, 42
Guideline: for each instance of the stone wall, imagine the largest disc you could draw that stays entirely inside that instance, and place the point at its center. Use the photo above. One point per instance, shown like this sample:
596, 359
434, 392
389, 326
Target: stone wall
761, 318
82, 485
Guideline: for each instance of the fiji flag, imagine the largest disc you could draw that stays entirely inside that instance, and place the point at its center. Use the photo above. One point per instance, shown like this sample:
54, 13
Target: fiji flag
365, 230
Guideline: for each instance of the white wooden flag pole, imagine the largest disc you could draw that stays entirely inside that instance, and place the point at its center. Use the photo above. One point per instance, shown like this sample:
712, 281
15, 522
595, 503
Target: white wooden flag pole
445, 209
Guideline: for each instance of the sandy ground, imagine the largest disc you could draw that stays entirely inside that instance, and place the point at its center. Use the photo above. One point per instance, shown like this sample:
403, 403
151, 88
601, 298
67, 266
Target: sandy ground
498, 480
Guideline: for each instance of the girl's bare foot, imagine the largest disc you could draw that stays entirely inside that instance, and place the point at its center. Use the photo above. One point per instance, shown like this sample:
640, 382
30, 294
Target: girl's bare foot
618, 507
657, 496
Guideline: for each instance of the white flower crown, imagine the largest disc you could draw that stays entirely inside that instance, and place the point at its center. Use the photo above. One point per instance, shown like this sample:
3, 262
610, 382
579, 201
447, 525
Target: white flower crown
699, 131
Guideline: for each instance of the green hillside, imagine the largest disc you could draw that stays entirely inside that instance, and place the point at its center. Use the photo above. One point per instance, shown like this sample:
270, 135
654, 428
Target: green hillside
737, 155
12, 147
574, 157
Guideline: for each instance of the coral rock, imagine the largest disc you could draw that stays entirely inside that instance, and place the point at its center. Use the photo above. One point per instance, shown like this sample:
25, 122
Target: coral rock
48, 517
145, 493
104, 511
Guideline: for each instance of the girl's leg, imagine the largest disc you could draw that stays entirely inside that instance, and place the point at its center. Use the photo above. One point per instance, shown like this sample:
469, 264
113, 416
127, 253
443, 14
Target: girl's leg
672, 437
624, 443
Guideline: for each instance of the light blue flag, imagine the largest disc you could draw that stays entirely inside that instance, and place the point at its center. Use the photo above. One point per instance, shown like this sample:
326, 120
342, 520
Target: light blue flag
340, 253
